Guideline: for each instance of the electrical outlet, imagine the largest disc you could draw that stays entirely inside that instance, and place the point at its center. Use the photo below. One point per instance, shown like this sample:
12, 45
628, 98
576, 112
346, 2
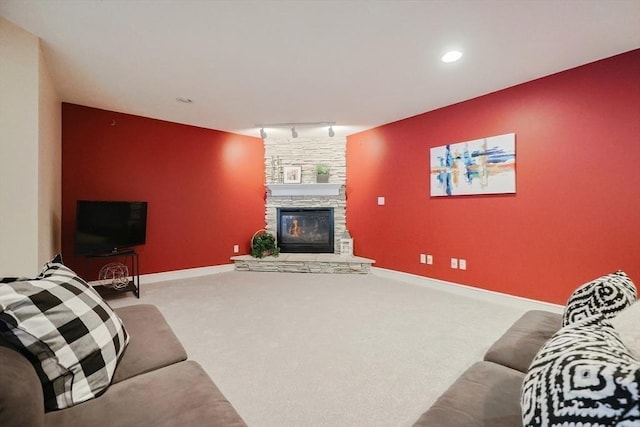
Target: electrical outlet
380, 201
430, 259
454, 262
423, 259
236, 249
462, 264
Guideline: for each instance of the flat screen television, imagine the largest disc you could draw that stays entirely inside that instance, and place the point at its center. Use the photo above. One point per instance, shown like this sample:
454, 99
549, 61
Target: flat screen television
109, 226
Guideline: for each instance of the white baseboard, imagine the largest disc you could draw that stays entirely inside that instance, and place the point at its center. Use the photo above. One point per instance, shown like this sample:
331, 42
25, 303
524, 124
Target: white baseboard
146, 279
468, 291
436, 284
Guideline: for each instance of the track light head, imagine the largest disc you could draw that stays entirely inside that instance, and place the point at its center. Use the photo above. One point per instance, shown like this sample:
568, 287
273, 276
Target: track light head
263, 134
294, 133
331, 132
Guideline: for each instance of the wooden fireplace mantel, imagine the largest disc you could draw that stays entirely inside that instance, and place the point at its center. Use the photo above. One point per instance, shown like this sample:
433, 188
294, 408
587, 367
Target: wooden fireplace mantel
304, 189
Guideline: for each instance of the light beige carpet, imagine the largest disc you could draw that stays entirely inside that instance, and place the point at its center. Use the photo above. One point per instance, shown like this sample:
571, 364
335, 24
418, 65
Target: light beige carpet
310, 350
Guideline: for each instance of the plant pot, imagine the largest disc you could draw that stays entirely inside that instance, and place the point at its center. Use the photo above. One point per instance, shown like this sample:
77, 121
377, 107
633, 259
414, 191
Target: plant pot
322, 177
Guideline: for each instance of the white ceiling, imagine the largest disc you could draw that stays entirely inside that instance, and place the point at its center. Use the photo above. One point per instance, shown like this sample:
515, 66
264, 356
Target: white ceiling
358, 63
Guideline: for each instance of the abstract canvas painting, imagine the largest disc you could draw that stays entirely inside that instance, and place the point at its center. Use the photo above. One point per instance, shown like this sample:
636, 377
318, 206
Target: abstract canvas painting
481, 166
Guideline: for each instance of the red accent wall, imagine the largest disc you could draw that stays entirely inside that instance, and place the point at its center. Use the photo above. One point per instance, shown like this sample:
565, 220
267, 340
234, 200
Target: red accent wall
576, 213
205, 188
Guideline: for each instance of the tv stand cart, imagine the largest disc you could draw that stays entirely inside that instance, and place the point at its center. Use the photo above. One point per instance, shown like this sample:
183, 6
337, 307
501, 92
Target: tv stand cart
129, 258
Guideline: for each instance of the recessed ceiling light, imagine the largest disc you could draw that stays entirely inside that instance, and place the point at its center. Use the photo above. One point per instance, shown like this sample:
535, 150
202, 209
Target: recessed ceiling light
451, 56
185, 100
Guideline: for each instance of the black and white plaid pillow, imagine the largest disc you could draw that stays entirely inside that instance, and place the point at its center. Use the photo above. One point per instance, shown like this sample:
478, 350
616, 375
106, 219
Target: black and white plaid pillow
605, 296
69, 333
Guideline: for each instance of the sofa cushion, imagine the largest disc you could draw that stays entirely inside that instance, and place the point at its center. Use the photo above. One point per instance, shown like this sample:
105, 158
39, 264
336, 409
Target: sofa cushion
68, 332
627, 325
152, 343
517, 347
604, 296
583, 376
485, 395
181, 394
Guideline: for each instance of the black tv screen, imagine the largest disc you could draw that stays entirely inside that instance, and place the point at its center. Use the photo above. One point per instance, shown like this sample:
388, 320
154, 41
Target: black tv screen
109, 226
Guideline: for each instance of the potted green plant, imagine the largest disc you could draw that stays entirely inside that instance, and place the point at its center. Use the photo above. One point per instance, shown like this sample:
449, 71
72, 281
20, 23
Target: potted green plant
322, 173
263, 244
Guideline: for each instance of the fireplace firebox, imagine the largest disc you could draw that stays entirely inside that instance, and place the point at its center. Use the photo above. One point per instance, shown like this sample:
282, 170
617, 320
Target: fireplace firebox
305, 230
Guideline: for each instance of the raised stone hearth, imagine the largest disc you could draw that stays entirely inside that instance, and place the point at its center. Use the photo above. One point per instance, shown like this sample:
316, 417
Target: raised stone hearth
304, 263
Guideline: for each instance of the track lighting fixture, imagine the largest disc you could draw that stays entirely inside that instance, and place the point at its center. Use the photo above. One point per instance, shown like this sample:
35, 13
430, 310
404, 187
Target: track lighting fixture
294, 125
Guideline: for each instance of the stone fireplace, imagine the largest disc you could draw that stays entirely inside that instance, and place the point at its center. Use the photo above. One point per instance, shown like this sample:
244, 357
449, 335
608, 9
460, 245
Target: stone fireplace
297, 199
305, 153
306, 197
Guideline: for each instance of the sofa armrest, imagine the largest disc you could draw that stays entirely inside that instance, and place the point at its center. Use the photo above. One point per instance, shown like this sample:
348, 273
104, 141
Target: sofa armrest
21, 399
517, 347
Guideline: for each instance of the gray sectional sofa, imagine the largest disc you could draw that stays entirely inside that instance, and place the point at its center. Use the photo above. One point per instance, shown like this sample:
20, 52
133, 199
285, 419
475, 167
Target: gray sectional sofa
488, 393
154, 385
581, 367
578, 368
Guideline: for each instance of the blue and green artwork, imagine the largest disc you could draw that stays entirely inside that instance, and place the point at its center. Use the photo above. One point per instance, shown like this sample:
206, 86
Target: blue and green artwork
481, 166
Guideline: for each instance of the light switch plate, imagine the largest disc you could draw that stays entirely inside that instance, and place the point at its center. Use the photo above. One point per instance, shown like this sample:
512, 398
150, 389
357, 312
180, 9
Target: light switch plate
380, 201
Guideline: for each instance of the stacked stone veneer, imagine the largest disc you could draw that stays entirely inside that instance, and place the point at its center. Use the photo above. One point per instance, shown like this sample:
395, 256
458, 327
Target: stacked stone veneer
307, 153
304, 263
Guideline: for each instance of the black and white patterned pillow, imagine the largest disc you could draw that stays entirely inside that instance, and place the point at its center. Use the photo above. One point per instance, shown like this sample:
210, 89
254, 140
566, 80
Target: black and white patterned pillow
583, 376
604, 296
69, 333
